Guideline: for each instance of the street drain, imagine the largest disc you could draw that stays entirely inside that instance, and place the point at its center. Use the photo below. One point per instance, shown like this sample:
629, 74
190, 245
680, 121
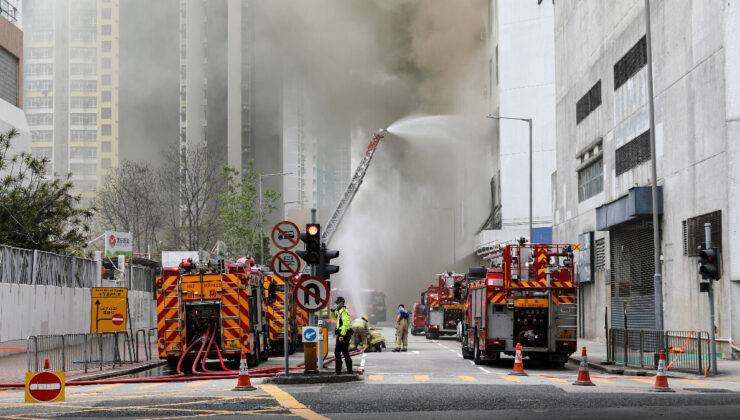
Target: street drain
709, 390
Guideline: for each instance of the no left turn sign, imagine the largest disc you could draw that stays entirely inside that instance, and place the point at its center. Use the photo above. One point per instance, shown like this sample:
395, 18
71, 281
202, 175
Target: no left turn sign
286, 265
311, 294
285, 235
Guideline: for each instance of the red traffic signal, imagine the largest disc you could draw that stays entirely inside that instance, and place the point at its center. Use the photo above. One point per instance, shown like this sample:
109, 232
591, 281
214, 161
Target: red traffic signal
312, 230
709, 263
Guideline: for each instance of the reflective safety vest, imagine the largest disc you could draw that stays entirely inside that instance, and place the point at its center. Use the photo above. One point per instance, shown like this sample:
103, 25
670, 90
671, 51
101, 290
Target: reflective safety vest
343, 320
359, 323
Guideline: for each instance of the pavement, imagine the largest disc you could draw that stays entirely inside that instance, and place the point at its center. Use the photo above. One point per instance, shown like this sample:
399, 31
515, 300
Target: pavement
430, 381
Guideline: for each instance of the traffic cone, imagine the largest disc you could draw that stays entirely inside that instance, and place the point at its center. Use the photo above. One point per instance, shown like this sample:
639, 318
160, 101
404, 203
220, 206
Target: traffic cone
518, 366
46, 364
661, 380
244, 384
584, 379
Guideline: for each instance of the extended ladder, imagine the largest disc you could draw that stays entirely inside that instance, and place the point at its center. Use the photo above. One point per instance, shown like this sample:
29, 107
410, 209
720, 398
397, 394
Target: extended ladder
351, 190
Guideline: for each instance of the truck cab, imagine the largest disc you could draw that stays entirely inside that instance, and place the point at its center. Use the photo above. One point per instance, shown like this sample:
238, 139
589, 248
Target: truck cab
419, 312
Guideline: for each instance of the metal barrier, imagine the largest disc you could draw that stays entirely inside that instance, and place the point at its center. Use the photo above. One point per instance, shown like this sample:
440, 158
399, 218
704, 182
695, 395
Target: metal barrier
685, 350
79, 351
147, 344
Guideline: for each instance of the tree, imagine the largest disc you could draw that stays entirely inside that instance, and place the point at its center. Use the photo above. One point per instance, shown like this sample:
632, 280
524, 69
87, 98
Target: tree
37, 212
242, 217
128, 197
188, 193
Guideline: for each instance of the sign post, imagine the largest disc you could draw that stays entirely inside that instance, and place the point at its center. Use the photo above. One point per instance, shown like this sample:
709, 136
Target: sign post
286, 235
109, 309
44, 386
312, 294
286, 265
119, 243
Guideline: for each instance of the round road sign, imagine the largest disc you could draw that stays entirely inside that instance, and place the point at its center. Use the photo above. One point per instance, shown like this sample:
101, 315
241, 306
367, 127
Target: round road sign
311, 294
117, 319
286, 265
45, 386
285, 235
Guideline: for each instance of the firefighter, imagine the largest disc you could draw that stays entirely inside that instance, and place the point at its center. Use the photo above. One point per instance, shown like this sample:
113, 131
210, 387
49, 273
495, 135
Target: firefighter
359, 337
343, 333
376, 340
402, 329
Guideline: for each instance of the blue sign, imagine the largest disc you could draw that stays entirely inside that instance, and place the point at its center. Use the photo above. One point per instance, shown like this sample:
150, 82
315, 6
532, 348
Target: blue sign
310, 334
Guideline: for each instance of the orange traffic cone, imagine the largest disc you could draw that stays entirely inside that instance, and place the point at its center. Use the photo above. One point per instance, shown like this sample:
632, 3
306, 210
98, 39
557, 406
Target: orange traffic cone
518, 366
244, 384
661, 380
584, 378
46, 364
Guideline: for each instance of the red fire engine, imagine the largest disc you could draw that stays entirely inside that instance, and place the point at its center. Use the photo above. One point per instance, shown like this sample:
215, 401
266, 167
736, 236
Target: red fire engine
527, 296
443, 305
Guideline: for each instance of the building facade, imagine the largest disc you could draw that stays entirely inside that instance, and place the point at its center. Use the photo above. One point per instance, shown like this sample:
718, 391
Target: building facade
521, 85
71, 87
601, 189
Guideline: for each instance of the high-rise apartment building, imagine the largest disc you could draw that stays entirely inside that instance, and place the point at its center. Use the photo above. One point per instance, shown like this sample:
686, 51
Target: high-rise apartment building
71, 86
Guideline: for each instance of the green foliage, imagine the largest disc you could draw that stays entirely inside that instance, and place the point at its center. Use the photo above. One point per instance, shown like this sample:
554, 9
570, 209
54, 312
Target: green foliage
38, 212
241, 215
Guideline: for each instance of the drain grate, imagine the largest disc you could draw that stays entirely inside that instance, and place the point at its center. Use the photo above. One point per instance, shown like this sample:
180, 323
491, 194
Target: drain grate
710, 390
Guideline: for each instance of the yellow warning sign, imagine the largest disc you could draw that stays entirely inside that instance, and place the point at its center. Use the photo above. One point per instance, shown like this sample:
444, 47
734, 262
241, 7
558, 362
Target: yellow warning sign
44, 386
530, 303
108, 312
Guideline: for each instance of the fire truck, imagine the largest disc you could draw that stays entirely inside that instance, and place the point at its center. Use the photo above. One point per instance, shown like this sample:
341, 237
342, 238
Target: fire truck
443, 305
277, 305
526, 296
222, 296
373, 305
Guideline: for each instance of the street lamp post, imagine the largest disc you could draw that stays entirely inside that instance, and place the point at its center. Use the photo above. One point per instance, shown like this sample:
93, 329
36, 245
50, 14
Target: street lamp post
262, 245
529, 122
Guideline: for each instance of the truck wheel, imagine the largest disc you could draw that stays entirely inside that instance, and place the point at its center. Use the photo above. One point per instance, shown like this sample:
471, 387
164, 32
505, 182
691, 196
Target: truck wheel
466, 352
476, 354
265, 352
427, 335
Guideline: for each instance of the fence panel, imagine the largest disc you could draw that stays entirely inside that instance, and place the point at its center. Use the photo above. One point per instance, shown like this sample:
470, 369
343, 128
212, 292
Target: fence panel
16, 265
24, 266
685, 350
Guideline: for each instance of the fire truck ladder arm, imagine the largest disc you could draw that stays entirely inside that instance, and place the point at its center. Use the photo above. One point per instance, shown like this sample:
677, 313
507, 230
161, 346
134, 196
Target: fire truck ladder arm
351, 190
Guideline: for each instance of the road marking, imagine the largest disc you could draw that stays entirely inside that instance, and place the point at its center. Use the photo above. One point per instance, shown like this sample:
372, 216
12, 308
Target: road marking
198, 383
375, 377
511, 378
362, 362
104, 387
471, 362
484, 369
692, 382
421, 377
458, 354
556, 379
286, 400
646, 381
151, 385
468, 378
603, 381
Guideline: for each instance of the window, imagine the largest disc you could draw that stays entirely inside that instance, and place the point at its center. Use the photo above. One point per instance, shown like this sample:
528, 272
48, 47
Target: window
105, 147
83, 119
107, 63
40, 136
83, 152
38, 53
84, 102
84, 35
84, 85
105, 113
39, 103
38, 85
630, 63
84, 186
693, 232
107, 46
589, 102
83, 69
84, 52
105, 80
41, 36
105, 163
105, 30
84, 136
106, 130
600, 254
633, 153
40, 119
45, 69
42, 152
105, 96
106, 12
83, 168
591, 180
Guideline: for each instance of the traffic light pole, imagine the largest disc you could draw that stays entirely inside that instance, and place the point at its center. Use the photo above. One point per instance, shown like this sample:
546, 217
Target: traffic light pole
712, 343
312, 315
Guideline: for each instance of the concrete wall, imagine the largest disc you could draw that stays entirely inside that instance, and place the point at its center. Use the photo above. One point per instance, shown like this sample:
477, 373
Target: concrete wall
32, 310
696, 108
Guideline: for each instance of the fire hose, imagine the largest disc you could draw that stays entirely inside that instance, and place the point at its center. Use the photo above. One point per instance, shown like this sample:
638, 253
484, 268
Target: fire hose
199, 376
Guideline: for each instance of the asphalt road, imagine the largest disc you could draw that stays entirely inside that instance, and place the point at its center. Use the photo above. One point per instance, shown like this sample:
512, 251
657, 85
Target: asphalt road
429, 381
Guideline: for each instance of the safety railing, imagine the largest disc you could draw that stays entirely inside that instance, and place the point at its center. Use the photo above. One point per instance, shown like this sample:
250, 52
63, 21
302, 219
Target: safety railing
685, 350
69, 352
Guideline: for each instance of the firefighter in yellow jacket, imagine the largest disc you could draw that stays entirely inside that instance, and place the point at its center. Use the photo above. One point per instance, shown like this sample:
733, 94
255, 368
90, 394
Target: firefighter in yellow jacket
343, 333
402, 329
360, 332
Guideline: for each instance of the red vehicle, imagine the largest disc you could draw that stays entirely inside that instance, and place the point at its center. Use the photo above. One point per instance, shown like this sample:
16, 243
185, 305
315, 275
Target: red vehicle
373, 304
443, 305
527, 296
419, 315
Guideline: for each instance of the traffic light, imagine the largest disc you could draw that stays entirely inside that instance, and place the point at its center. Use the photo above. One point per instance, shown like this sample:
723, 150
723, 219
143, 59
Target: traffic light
312, 238
709, 263
325, 270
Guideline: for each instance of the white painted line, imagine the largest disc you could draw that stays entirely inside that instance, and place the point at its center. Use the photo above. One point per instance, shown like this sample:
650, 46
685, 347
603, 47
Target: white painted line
484, 369
471, 362
458, 354
362, 363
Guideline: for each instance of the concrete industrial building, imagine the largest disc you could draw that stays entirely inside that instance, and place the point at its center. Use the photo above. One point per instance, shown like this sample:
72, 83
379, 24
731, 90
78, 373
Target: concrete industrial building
11, 78
71, 87
601, 189
521, 85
